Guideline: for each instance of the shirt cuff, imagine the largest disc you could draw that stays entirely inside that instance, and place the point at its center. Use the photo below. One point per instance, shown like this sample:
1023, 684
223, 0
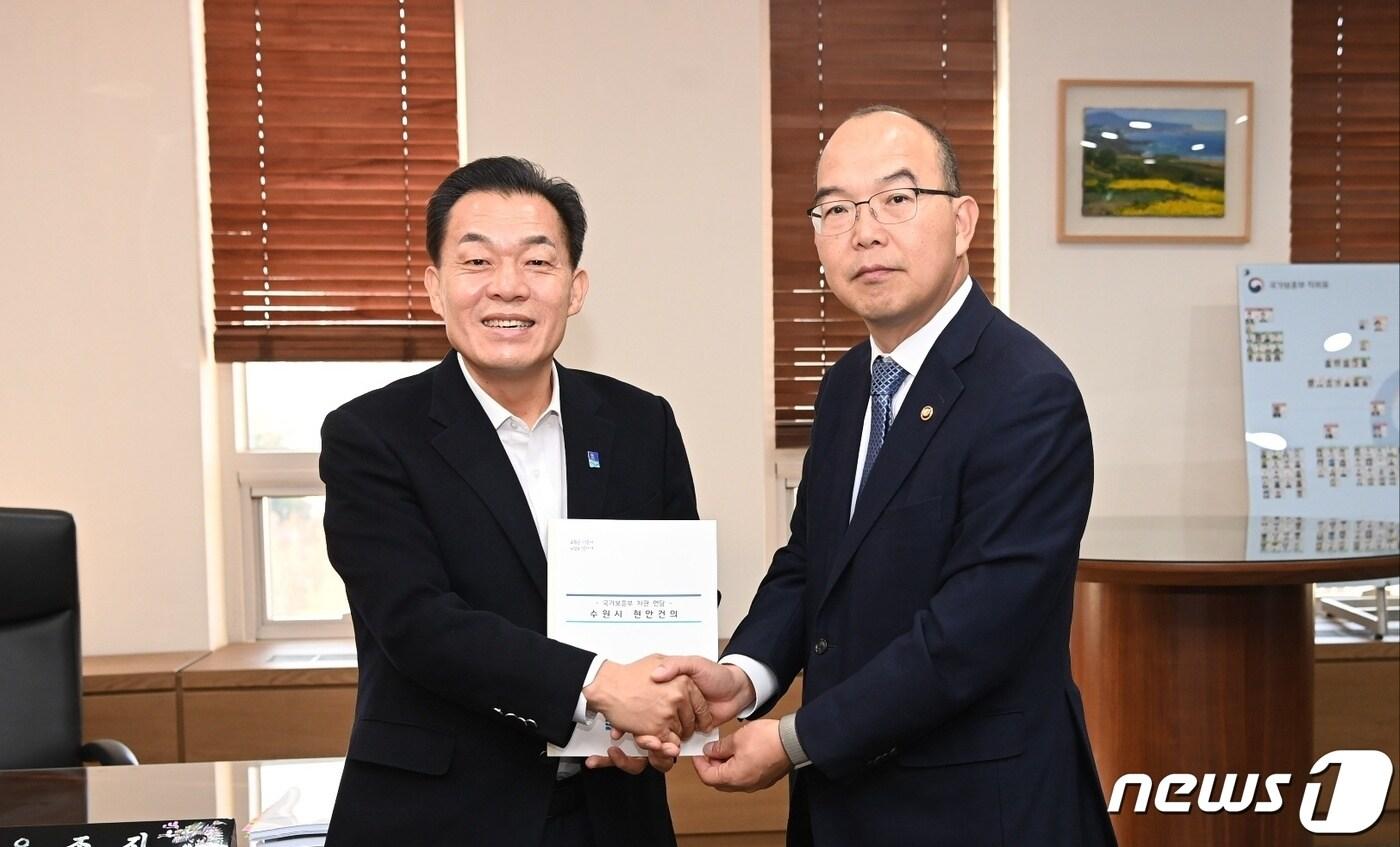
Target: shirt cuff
582, 715
765, 682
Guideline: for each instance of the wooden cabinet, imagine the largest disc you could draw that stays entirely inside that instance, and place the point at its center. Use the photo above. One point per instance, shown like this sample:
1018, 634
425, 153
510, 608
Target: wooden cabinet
269, 700
136, 700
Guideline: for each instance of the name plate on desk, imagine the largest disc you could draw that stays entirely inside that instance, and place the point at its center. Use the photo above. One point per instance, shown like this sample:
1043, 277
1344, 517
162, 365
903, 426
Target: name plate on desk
205, 833
627, 589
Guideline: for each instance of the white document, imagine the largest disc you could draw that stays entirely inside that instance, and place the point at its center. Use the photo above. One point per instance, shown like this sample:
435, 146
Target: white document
627, 589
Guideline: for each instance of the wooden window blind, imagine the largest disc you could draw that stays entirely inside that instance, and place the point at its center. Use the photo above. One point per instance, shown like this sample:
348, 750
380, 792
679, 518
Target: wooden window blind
829, 58
331, 122
1346, 131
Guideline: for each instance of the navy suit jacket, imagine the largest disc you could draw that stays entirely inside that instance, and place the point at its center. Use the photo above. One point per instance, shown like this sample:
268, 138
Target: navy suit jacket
459, 688
933, 624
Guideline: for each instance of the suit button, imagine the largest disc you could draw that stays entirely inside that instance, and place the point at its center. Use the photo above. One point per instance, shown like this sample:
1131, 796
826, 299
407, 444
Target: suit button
820, 647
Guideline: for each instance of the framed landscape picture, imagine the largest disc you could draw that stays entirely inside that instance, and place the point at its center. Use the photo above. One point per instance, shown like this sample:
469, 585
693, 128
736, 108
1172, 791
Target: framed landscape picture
1154, 161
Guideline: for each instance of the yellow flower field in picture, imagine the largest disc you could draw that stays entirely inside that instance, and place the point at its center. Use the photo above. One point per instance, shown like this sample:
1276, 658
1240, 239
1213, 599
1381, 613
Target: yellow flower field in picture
1165, 163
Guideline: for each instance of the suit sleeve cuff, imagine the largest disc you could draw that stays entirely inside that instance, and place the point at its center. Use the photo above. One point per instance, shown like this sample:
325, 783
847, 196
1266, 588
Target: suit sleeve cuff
582, 715
765, 682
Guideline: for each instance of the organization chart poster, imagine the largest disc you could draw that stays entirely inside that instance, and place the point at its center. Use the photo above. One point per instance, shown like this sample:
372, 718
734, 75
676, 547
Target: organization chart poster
1320, 354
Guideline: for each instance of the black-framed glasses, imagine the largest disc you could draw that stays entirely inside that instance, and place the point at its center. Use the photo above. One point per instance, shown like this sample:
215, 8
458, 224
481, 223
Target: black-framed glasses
893, 206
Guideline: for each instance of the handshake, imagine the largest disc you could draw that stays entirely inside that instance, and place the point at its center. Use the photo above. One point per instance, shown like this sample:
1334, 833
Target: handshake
662, 700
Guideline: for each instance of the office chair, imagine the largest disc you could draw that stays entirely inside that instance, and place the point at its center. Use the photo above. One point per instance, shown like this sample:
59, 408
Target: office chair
40, 664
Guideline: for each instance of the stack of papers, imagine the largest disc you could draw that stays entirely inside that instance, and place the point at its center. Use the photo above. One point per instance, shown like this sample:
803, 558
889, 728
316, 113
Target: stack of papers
288, 840
284, 824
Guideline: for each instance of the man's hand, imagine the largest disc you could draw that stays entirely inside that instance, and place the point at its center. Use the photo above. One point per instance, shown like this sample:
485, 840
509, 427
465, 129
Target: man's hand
749, 760
727, 689
631, 764
632, 702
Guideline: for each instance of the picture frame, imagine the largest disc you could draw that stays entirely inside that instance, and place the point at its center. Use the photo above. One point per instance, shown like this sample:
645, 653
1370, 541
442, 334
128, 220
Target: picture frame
1154, 161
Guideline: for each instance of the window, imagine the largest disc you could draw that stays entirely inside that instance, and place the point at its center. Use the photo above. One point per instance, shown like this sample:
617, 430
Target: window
284, 585
330, 124
329, 127
829, 58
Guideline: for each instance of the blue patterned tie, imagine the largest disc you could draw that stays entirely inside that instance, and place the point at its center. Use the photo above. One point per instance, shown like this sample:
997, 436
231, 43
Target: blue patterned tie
885, 378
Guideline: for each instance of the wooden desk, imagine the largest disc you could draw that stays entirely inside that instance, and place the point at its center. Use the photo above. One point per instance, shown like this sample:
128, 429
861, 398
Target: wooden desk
239, 789
1194, 658
159, 792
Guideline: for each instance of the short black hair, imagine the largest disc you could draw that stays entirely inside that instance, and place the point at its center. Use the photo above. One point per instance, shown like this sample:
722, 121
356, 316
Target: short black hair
506, 175
947, 158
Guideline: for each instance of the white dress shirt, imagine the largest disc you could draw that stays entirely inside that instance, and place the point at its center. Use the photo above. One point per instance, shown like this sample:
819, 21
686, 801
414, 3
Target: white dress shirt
537, 455
910, 355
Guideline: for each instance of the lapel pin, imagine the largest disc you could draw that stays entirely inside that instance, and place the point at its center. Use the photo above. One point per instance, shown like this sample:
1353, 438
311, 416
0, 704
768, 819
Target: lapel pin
926, 413
593, 460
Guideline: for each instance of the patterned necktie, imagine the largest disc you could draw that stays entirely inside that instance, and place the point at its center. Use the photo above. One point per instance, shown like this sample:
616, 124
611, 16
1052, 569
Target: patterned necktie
885, 378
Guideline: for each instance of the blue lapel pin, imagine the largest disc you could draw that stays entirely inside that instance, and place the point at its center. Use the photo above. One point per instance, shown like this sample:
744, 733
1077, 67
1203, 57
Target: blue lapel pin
593, 460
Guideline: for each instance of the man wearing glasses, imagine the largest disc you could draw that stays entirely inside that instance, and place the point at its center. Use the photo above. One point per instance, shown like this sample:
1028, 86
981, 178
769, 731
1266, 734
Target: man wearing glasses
927, 586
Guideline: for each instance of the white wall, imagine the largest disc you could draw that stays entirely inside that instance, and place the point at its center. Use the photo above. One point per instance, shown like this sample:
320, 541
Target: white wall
100, 355
1150, 332
658, 113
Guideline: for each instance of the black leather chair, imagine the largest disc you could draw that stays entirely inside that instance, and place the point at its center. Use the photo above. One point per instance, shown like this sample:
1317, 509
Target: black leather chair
41, 714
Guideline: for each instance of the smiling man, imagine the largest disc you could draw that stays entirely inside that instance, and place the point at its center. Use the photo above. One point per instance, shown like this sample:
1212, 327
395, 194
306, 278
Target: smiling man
927, 585
439, 489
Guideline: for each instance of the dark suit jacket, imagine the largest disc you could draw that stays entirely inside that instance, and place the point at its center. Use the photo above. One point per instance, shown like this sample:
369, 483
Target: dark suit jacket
933, 625
459, 688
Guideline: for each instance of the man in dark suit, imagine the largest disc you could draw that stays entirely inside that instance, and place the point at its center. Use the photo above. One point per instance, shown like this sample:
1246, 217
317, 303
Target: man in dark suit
439, 488
927, 586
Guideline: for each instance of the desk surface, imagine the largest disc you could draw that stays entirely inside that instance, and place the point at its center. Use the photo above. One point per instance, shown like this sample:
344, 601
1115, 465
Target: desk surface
137, 672
237, 790
1208, 550
292, 662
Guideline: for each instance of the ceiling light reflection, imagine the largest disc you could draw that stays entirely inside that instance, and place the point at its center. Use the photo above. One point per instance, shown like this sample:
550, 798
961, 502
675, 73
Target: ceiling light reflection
1266, 440
1337, 343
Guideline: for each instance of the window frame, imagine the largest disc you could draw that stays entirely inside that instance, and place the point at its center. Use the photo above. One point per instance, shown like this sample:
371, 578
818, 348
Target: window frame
248, 476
